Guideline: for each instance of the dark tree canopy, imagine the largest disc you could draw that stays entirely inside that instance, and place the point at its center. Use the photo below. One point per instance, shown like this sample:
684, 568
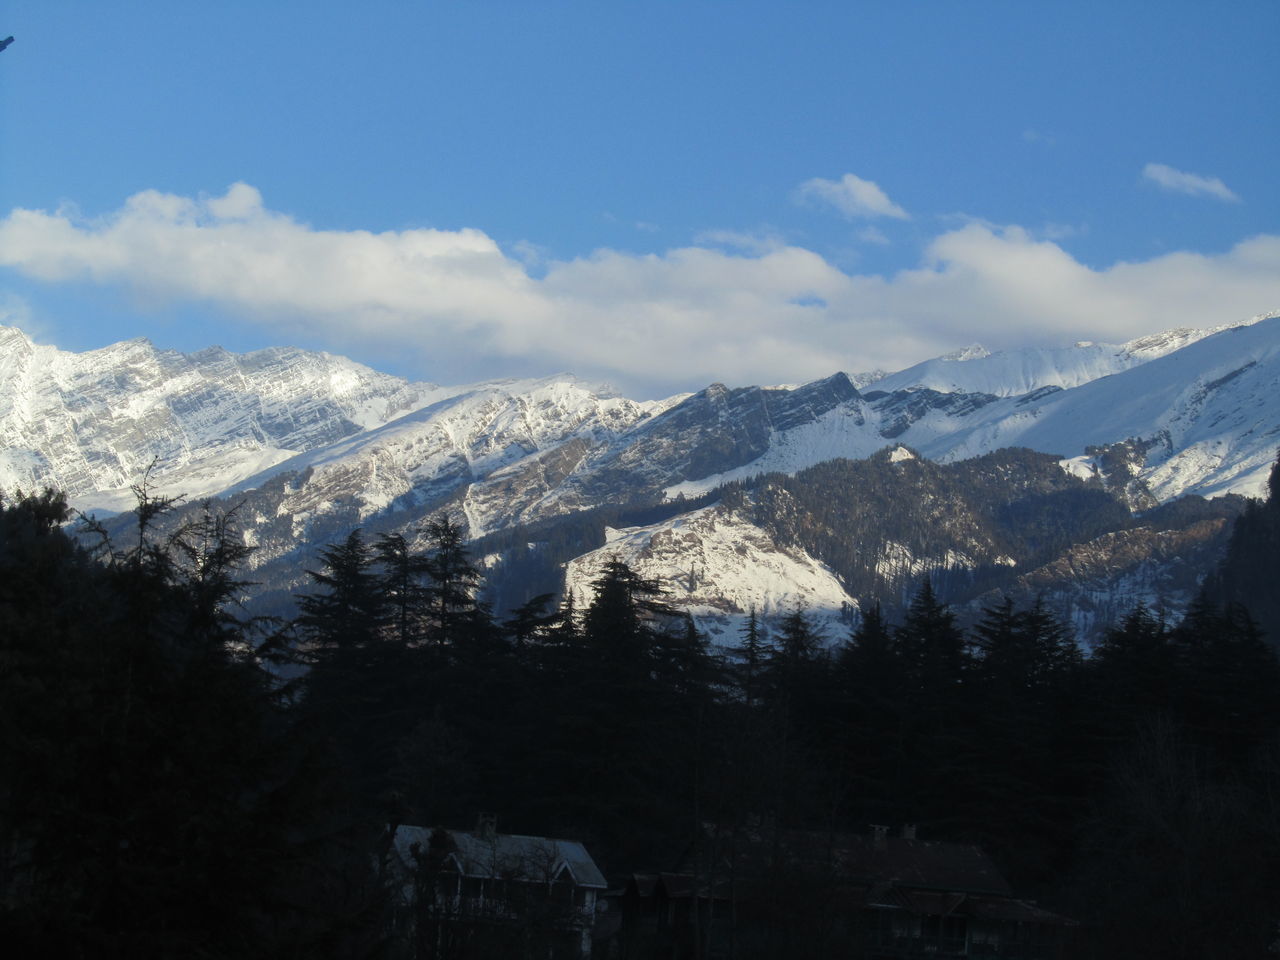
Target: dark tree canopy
164, 756
154, 801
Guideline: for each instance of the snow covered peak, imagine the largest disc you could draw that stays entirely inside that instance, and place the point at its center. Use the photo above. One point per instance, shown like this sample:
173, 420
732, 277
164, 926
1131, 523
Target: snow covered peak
92, 423
519, 449
974, 351
867, 377
1159, 344
11, 337
1011, 373
1205, 417
1014, 373
564, 383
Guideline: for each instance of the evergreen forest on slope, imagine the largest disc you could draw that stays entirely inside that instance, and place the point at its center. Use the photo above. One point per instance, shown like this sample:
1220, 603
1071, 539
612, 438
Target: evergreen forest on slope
178, 779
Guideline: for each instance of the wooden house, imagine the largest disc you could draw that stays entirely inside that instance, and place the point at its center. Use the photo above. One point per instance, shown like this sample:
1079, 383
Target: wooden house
482, 893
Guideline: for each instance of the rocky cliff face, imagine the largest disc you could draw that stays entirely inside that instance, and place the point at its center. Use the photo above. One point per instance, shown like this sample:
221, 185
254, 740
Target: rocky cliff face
493, 454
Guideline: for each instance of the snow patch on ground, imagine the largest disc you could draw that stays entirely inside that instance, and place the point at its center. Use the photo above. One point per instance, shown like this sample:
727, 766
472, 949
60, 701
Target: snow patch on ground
897, 563
1086, 468
843, 431
208, 476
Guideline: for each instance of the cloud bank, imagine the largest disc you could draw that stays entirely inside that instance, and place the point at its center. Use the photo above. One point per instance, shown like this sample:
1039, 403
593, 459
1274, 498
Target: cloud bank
1192, 184
649, 323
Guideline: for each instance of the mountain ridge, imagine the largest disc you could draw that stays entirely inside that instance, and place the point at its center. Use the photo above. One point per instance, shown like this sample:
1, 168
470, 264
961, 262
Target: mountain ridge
214, 422
312, 445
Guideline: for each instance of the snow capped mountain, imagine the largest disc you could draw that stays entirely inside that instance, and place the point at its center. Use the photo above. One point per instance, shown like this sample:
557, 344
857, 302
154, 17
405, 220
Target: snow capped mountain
1205, 411
499, 446
514, 451
1207, 416
91, 424
1015, 373
315, 444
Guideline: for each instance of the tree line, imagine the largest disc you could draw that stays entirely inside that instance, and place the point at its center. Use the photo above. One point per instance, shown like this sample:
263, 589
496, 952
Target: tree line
179, 779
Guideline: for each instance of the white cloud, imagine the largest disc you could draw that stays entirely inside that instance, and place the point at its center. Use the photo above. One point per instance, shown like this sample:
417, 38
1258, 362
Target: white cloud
1031, 135
1061, 231
532, 255
232, 251
761, 241
852, 196
873, 235
760, 311
241, 202
1192, 184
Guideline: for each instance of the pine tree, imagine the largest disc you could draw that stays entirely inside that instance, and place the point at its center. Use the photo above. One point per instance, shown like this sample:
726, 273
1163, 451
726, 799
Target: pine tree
870, 658
402, 589
1021, 653
452, 580
1133, 668
1250, 570
355, 688
349, 612
618, 627
1227, 680
531, 622
685, 668
794, 670
872, 683
752, 655
931, 643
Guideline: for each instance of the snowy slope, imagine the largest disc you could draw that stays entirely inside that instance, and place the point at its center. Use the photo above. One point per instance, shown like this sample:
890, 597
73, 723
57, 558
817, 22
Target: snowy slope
1014, 373
715, 565
1209, 415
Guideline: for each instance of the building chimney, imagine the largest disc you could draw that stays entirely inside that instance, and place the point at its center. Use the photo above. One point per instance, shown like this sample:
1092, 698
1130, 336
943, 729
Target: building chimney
879, 836
908, 831
486, 826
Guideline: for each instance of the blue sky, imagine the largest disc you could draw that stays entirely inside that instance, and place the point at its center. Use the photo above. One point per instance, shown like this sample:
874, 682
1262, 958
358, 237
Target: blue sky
653, 194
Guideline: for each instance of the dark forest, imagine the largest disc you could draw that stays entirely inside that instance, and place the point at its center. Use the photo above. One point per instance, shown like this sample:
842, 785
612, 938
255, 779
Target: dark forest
178, 779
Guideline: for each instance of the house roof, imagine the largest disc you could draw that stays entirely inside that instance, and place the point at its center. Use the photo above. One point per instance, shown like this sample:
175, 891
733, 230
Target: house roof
923, 864
936, 903
924, 902
643, 884
500, 855
866, 859
991, 908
